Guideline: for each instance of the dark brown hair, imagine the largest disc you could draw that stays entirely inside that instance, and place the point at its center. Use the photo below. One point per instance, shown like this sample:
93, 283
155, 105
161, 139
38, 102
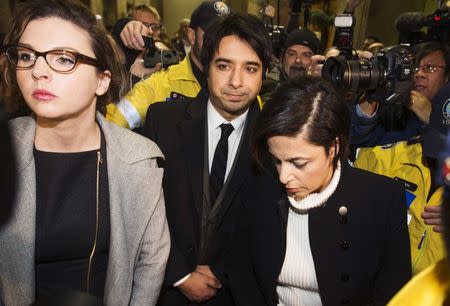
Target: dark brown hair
79, 15
309, 105
247, 27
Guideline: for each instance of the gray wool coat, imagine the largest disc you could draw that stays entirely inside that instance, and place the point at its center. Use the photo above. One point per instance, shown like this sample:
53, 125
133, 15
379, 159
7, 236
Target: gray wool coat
139, 237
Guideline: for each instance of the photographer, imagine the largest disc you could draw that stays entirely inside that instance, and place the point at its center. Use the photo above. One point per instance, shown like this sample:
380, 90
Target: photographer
301, 56
376, 123
397, 153
179, 81
143, 20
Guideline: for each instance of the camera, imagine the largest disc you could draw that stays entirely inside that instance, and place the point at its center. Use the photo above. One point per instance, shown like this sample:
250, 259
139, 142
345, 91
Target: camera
409, 26
153, 55
438, 25
388, 75
344, 33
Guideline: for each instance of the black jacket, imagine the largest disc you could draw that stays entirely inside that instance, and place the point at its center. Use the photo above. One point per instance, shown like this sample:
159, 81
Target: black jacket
7, 170
180, 130
363, 259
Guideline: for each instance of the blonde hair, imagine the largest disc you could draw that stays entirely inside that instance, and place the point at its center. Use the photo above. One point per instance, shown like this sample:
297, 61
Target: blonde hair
145, 8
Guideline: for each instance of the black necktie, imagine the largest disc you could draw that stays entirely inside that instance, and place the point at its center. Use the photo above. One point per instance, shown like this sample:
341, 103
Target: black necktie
219, 165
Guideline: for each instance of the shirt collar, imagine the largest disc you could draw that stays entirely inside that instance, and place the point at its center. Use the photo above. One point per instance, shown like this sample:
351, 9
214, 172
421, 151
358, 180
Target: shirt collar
215, 119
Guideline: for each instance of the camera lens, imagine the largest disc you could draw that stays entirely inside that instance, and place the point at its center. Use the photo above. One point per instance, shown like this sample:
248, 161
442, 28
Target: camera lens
364, 75
353, 75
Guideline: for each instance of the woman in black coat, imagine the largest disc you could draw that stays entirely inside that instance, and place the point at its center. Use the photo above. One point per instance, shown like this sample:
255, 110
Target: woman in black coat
323, 233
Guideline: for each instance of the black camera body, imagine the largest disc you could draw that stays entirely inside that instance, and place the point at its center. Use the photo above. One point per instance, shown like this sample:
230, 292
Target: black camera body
154, 56
409, 25
388, 75
438, 25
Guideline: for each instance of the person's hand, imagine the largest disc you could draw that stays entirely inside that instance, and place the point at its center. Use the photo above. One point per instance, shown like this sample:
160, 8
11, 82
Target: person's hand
206, 271
199, 287
315, 69
132, 33
138, 69
421, 106
432, 216
332, 52
367, 55
366, 106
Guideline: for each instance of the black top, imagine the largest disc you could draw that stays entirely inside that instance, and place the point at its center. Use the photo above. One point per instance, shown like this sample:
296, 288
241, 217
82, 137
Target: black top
7, 170
66, 187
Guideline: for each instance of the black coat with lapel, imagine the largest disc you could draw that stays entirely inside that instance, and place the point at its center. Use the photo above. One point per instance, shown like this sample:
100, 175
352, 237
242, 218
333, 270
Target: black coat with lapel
361, 260
180, 130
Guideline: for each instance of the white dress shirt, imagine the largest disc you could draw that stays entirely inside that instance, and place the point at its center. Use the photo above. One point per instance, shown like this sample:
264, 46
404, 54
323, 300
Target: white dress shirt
214, 133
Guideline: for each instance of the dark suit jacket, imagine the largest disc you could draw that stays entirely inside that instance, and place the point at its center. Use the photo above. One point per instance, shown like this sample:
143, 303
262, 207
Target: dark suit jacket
180, 130
363, 260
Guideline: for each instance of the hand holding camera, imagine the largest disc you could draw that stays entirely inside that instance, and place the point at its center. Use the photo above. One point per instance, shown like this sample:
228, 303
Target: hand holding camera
154, 56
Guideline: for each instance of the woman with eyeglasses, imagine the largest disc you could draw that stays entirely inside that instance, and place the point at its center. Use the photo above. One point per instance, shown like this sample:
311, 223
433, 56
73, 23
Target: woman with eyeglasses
89, 218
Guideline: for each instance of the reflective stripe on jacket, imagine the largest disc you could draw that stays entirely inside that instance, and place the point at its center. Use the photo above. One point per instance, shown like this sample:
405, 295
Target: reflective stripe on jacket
160, 86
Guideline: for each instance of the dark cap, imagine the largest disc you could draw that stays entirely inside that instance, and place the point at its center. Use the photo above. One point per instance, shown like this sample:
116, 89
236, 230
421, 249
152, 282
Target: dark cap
305, 38
207, 12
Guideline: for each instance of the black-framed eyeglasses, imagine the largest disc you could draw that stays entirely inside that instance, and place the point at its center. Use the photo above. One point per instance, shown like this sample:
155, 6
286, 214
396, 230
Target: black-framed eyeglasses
60, 60
154, 26
427, 68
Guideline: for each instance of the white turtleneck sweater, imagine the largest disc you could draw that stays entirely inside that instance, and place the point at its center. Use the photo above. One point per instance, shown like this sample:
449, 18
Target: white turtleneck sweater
297, 282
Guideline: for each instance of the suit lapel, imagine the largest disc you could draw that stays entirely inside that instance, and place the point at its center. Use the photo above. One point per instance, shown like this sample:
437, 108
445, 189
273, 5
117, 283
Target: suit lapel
194, 137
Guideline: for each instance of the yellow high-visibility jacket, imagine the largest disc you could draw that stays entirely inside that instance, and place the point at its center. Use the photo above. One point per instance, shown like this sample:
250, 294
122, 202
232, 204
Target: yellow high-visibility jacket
403, 161
177, 80
428, 288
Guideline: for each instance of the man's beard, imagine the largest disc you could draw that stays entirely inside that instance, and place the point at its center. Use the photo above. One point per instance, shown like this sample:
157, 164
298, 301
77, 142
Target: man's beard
296, 71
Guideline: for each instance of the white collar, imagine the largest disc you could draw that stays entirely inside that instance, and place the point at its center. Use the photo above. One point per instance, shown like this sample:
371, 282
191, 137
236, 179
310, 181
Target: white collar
318, 198
215, 119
